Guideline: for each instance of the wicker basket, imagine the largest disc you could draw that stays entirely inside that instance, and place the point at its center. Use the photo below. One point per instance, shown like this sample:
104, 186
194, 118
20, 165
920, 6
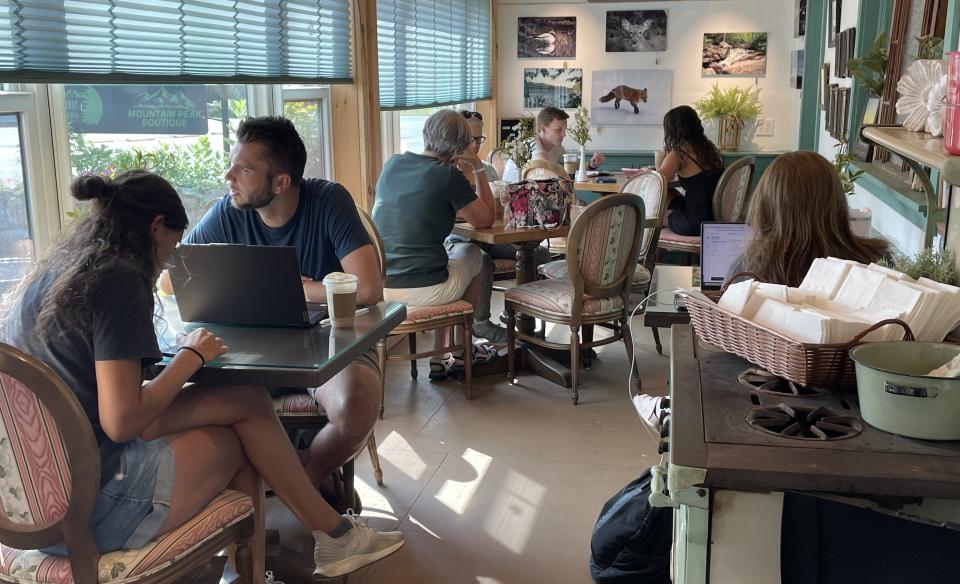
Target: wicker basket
803, 363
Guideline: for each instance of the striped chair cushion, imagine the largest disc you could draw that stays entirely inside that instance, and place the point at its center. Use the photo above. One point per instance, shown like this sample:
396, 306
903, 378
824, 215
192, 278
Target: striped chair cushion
130, 565
34, 472
504, 266
558, 271
300, 403
424, 313
556, 297
668, 236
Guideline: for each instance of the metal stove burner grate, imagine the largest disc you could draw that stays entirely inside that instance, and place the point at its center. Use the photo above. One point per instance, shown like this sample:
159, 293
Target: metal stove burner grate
803, 423
766, 382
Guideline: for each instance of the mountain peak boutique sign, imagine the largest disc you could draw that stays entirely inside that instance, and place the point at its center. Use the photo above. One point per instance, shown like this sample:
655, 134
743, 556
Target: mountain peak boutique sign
137, 109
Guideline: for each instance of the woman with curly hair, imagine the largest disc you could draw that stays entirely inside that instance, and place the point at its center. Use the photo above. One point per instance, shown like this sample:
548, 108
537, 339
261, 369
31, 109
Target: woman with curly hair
697, 165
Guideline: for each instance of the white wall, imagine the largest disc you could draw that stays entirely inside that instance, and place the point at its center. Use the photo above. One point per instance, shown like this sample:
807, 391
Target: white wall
687, 21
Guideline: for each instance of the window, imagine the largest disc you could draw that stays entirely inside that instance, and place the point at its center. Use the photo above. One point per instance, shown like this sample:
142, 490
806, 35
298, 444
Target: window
403, 129
16, 237
307, 107
182, 132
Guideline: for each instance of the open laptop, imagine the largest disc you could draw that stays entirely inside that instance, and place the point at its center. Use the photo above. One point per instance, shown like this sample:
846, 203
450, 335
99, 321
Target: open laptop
720, 245
252, 285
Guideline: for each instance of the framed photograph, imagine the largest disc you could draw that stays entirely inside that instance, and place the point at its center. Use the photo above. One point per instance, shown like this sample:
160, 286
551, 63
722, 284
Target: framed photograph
824, 85
734, 54
830, 121
833, 22
800, 18
864, 150
506, 128
796, 69
844, 118
552, 37
636, 31
839, 47
631, 96
850, 42
562, 88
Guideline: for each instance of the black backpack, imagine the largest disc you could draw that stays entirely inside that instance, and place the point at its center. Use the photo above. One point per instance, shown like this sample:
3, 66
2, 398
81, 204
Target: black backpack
631, 540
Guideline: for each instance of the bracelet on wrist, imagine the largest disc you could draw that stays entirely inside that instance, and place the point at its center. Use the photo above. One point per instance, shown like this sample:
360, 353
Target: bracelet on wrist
203, 361
479, 170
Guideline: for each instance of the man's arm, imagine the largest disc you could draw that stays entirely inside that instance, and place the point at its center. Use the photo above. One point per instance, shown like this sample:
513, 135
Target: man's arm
480, 212
362, 263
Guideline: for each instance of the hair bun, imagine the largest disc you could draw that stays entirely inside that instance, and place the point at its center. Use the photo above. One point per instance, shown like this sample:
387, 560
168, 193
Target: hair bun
91, 186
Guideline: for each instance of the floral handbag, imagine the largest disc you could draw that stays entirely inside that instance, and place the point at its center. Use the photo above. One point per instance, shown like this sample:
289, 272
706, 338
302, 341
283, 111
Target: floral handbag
537, 203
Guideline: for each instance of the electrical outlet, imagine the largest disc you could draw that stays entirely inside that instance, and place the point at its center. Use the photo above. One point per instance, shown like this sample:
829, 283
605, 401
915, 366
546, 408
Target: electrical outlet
765, 127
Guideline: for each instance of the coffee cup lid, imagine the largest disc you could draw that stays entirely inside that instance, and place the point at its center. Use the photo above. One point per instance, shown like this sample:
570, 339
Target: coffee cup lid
339, 278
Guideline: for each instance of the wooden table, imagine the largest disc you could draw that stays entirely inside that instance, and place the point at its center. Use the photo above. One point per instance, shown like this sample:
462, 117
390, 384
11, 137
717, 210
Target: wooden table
534, 359
603, 188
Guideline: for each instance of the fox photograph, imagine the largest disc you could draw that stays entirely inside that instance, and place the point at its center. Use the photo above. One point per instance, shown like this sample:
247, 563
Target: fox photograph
636, 31
630, 96
553, 37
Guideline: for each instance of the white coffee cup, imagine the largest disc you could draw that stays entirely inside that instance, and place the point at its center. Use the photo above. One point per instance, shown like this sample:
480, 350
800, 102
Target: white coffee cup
341, 298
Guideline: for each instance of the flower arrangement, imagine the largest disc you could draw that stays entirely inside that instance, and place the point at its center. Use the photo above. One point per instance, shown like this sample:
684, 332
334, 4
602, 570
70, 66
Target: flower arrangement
519, 148
742, 103
580, 132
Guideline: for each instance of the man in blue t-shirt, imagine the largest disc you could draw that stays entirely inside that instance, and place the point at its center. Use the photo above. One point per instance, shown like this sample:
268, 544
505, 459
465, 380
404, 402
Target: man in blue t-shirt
271, 204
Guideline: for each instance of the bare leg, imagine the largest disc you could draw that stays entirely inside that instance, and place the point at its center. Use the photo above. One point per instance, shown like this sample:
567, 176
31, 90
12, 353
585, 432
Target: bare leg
249, 413
208, 460
351, 400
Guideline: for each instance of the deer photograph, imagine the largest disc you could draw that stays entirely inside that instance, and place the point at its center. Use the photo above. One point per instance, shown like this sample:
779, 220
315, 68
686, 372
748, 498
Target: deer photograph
553, 37
630, 96
636, 31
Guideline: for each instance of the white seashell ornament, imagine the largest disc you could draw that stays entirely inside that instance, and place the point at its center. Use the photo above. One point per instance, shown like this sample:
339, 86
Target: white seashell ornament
914, 89
937, 106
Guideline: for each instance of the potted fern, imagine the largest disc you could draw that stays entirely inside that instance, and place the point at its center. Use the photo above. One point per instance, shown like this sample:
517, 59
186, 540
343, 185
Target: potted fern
580, 132
731, 108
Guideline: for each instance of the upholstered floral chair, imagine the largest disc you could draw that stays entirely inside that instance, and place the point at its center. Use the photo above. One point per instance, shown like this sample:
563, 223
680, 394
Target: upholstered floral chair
731, 200
602, 250
49, 479
300, 411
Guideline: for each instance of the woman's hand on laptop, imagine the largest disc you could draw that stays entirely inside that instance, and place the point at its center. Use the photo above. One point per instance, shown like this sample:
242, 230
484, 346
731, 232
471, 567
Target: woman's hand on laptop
204, 342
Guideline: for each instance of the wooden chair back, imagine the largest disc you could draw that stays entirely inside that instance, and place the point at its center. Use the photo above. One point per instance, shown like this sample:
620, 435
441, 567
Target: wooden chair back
498, 160
375, 239
543, 169
652, 188
731, 197
56, 480
603, 246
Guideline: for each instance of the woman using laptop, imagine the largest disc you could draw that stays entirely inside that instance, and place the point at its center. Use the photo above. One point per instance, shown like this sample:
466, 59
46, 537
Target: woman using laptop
87, 310
697, 165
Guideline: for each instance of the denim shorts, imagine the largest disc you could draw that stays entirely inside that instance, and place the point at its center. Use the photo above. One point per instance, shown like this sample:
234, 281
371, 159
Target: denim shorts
132, 506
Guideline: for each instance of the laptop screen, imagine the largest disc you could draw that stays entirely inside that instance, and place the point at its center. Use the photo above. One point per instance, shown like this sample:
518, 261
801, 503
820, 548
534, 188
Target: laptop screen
720, 245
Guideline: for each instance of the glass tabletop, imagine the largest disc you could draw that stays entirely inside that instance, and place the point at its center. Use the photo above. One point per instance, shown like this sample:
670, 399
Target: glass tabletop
280, 347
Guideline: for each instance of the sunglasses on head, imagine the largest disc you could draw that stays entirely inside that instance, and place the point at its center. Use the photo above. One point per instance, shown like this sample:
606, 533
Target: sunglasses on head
469, 115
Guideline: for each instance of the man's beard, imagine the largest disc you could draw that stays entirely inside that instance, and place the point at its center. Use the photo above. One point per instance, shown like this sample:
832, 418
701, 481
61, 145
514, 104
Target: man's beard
256, 201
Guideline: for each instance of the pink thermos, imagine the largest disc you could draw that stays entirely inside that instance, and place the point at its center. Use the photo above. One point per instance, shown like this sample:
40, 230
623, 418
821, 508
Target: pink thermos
951, 127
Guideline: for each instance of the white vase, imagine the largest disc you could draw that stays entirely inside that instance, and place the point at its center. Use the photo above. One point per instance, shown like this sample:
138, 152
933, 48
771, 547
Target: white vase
582, 171
860, 220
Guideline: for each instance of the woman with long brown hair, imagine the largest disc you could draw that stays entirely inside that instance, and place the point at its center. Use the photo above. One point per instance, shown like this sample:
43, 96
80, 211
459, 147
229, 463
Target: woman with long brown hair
799, 213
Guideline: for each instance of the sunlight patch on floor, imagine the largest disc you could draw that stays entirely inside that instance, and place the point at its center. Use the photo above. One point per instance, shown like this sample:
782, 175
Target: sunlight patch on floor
397, 451
426, 529
514, 511
456, 495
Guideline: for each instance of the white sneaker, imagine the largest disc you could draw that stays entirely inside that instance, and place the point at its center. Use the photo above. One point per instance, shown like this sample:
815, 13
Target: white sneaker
362, 545
269, 579
648, 408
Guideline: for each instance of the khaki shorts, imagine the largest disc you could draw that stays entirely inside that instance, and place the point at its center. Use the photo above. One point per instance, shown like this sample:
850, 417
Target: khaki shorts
461, 270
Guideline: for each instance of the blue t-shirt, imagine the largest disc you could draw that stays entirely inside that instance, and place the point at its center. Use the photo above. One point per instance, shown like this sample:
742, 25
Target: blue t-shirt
324, 229
417, 202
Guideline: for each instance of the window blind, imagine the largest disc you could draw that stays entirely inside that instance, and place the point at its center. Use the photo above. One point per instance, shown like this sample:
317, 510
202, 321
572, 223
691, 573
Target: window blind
433, 52
202, 41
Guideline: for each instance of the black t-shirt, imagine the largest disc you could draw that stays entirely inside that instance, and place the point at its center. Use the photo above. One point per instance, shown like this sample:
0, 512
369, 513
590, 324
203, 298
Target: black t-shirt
119, 325
324, 229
